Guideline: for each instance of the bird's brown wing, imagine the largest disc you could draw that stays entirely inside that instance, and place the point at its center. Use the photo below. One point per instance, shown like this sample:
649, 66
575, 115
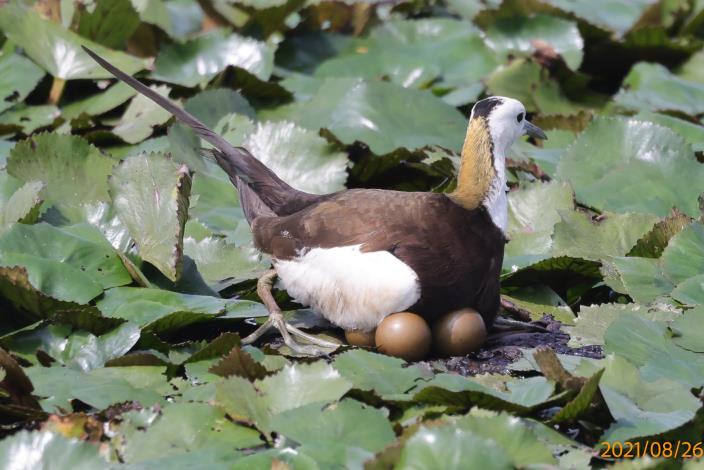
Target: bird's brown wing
456, 253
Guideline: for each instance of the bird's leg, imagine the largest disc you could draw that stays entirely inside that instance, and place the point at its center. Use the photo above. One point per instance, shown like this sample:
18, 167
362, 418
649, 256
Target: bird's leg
276, 319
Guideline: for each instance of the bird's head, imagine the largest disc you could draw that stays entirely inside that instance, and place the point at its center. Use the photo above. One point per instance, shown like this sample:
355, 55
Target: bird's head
506, 121
495, 124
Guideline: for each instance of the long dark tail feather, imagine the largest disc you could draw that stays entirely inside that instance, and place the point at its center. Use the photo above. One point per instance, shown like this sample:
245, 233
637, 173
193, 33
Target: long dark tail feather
240, 165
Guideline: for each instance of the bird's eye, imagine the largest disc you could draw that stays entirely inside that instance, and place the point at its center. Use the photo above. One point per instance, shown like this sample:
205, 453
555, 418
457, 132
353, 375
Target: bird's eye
519, 118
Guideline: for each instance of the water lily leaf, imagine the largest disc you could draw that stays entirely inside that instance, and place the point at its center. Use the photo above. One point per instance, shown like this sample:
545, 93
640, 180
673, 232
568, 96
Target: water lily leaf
28, 118
692, 133
161, 310
684, 256
156, 12
527, 81
579, 236
41, 449
642, 406
655, 241
40, 286
370, 112
98, 388
18, 77
86, 351
464, 392
451, 447
218, 260
593, 321
414, 53
141, 116
21, 206
110, 23
58, 50
213, 104
647, 345
49, 243
186, 427
610, 161
691, 291
533, 212
298, 156
614, 15
150, 194
518, 35
687, 332
217, 207
200, 59
74, 171
99, 103
348, 422
641, 278
653, 87
382, 374
292, 387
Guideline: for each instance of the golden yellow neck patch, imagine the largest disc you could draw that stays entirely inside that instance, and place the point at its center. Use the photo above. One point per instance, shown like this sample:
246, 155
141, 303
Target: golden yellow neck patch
476, 167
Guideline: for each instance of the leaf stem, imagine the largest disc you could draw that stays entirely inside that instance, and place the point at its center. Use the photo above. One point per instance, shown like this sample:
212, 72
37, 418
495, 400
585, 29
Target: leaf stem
57, 89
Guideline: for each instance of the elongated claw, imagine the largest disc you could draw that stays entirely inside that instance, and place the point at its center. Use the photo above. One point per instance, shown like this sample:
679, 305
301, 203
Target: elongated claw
288, 332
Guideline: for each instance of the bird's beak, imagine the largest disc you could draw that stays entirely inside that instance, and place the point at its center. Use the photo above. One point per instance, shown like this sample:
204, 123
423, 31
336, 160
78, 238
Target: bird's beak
534, 131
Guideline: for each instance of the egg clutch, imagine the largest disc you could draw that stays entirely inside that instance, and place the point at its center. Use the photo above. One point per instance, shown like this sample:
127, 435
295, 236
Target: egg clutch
408, 336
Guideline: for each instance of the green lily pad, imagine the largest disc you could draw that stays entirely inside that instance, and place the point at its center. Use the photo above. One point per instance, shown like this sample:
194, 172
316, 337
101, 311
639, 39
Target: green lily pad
141, 116
298, 156
18, 77
526, 81
109, 23
382, 374
465, 392
692, 133
75, 172
292, 387
611, 235
200, 59
21, 206
58, 50
683, 257
348, 422
99, 388
414, 53
593, 321
150, 195
42, 449
641, 406
517, 35
616, 161
44, 241
653, 87
382, 115
184, 428
614, 15
99, 103
533, 212
688, 334
161, 310
28, 118
641, 278
691, 291
218, 261
451, 447
647, 345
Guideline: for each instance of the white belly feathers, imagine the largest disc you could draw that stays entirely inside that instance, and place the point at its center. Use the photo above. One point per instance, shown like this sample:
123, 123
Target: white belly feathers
352, 289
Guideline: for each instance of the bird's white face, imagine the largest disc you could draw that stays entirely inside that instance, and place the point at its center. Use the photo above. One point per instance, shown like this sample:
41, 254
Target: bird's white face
507, 122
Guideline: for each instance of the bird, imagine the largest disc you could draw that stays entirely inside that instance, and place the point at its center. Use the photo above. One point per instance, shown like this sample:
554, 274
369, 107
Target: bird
358, 255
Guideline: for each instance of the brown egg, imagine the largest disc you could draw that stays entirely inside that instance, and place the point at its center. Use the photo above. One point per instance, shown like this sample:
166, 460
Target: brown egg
360, 338
405, 335
459, 333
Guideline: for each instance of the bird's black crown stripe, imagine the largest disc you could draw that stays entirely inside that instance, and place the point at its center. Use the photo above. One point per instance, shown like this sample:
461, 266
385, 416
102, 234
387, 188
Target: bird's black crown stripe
484, 107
